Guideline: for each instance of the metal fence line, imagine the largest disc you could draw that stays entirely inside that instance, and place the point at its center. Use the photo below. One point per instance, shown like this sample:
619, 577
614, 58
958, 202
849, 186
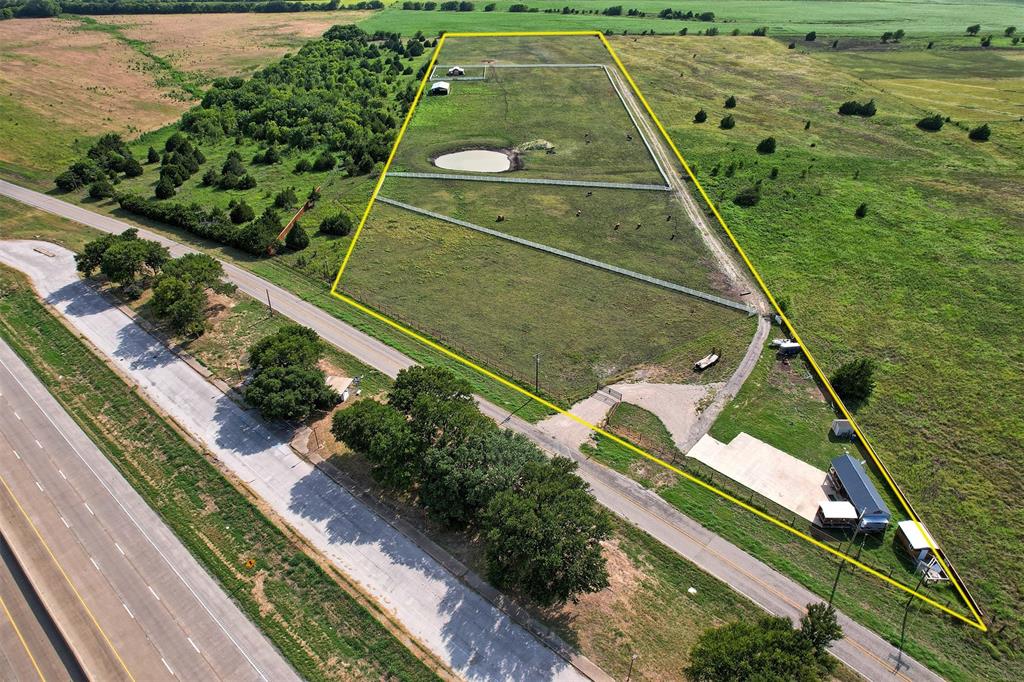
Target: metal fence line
574, 257
530, 181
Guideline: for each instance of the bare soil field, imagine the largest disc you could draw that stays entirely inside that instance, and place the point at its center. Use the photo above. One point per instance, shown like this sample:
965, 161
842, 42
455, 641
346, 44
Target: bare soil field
59, 82
228, 44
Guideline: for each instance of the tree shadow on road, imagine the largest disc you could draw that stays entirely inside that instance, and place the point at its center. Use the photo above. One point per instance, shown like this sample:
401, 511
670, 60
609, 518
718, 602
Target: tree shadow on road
480, 641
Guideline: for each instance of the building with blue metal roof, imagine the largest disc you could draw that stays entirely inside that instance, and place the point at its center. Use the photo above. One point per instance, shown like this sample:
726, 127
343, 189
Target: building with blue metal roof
850, 480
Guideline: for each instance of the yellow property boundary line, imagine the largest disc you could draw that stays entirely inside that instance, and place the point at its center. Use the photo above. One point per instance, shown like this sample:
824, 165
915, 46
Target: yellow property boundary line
978, 622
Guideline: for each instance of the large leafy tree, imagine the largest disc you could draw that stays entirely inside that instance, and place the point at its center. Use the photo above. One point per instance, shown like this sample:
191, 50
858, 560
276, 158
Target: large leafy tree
181, 303
286, 383
198, 269
417, 382
290, 392
768, 649
383, 435
460, 480
544, 537
125, 259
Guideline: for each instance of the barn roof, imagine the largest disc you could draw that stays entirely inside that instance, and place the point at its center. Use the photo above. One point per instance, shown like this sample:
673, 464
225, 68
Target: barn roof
859, 489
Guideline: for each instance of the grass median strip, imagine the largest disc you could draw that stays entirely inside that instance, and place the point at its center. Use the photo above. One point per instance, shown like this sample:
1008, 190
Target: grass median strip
324, 631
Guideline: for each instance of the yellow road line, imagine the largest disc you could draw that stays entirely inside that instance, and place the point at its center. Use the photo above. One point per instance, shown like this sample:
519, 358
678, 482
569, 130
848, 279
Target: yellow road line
21, 638
66, 578
978, 623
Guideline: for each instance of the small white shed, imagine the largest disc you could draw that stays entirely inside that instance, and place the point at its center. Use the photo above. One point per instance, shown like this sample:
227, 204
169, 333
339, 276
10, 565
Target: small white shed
456, 71
440, 88
841, 428
836, 514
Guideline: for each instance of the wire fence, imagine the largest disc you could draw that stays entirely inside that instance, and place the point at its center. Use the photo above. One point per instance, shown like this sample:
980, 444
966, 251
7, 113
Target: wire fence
529, 181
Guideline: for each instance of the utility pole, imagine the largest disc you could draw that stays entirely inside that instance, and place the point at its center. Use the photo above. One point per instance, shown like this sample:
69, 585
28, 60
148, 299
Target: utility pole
842, 562
536, 373
906, 612
269, 306
632, 660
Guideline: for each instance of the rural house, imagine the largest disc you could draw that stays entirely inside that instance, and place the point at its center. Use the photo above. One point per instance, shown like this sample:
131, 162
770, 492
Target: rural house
848, 478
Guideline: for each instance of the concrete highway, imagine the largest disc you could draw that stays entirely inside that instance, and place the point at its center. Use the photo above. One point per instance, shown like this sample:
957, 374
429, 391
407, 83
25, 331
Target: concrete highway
861, 649
469, 634
126, 595
31, 645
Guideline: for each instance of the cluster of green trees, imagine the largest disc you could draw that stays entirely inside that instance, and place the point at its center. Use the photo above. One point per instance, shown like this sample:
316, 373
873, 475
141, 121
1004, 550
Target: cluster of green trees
179, 284
854, 108
180, 161
893, 36
344, 94
768, 649
286, 382
541, 527
107, 159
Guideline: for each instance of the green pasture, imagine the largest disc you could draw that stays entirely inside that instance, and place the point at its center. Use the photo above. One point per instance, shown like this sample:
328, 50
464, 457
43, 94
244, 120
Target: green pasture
928, 284
782, 17
574, 109
654, 236
501, 303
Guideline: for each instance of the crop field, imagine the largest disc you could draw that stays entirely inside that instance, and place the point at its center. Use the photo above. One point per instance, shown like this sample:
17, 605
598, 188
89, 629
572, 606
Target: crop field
783, 17
591, 134
928, 283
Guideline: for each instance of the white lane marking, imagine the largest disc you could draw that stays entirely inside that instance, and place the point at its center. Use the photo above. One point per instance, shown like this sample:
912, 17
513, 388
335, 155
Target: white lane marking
153, 592
66, 524
167, 666
135, 522
95, 564
39, 444
89, 509
17, 415
39, 486
16, 454
193, 644
128, 610
119, 549
61, 472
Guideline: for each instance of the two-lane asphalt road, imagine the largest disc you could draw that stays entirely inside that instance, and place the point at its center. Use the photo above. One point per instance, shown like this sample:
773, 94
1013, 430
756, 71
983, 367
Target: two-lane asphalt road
126, 594
861, 649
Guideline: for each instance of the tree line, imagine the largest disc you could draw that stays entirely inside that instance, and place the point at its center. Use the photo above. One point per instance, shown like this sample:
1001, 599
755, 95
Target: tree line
542, 529
51, 8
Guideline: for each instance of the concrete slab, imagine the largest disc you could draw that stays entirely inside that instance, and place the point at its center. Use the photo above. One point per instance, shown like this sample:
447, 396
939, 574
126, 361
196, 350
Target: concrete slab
779, 476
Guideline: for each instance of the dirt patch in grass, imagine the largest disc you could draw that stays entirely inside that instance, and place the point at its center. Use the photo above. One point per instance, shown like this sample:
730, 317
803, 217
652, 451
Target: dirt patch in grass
229, 44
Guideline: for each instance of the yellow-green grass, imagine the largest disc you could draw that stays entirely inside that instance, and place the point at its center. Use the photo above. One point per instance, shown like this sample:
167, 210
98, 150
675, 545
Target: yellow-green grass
316, 624
666, 245
501, 303
575, 109
929, 284
524, 50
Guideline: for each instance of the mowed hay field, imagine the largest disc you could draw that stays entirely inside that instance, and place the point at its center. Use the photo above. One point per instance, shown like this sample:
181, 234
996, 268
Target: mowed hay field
61, 85
501, 303
66, 81
930, 283
574, 109
217, 45
653, 236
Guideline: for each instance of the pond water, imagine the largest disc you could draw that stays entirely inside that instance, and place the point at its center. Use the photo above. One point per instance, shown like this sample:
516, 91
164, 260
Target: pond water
479, 160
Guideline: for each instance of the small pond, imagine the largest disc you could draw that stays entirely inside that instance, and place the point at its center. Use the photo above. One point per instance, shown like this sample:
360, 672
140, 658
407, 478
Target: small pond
478, 160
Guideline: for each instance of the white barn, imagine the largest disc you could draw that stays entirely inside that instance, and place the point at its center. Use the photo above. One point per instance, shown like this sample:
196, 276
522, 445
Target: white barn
440, 88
